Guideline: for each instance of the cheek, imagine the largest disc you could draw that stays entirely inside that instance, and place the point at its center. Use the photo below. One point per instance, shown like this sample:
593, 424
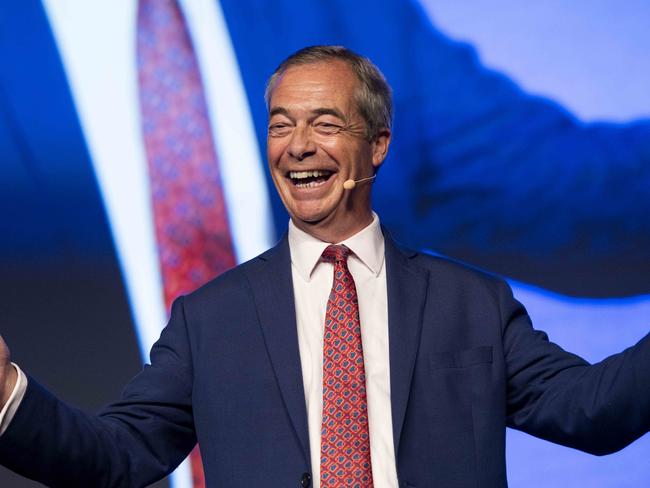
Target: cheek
274, 150
347, 151
331, 145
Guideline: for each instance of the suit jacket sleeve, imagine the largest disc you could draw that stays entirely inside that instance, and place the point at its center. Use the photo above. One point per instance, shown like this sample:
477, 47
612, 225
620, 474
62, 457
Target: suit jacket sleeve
558, 396
132, 442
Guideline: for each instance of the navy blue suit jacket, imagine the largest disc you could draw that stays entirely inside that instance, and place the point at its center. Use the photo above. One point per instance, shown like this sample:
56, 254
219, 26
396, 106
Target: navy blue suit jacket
464, 363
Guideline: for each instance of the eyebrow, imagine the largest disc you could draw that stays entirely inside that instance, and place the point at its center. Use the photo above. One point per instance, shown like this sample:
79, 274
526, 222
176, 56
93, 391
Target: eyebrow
328, 111
278, 111
316, 112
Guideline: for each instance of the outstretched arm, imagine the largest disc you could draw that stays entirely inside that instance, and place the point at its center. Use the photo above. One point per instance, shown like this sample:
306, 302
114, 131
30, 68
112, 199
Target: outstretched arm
133, 442
559, 397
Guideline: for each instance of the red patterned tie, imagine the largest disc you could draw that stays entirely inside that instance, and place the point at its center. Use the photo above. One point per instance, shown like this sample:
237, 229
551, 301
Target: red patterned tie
190, 218
345, 441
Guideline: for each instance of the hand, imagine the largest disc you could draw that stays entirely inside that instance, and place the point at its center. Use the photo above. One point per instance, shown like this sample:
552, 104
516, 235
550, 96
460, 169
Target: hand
8, 375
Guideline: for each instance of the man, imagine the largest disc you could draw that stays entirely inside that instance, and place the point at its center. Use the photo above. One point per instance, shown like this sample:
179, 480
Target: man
431, 363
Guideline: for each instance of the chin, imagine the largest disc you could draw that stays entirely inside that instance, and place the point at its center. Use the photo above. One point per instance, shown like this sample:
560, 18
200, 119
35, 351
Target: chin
310, 212
309, 219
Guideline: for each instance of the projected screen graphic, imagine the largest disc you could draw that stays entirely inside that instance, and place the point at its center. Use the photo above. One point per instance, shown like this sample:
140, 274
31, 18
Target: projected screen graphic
521, 145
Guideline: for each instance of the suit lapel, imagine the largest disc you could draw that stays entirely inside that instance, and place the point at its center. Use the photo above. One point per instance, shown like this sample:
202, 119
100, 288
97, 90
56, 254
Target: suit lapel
272, 285
407, 290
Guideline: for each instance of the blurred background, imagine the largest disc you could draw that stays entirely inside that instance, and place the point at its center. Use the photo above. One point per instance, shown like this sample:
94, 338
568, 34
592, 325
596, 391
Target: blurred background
521, 145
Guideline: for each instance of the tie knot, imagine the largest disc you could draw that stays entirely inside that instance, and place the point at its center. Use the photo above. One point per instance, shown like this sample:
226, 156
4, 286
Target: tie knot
336, 253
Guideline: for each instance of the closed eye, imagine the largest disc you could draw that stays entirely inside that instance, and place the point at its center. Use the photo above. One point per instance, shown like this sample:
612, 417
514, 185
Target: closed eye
279, 129
327, 129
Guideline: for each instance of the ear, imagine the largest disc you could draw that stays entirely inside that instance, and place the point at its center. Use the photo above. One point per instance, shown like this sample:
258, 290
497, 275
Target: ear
380, 147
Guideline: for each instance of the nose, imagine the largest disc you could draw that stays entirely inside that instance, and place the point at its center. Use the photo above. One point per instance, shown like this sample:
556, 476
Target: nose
301, 145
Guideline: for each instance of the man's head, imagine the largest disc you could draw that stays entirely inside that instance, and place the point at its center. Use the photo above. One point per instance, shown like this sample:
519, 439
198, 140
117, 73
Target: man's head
329, 121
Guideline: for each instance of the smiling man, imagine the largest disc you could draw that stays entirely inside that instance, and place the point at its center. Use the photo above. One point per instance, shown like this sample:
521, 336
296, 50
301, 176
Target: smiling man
335, 358
320, 136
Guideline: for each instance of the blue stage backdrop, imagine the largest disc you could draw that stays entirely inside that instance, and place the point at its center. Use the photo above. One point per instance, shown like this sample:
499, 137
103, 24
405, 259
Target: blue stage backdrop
521, 145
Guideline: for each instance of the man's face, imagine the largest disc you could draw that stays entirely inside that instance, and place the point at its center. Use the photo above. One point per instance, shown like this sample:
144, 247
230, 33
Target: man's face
316, 141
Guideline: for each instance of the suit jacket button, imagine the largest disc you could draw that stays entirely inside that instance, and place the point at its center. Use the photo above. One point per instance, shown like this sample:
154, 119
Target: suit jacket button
305, 481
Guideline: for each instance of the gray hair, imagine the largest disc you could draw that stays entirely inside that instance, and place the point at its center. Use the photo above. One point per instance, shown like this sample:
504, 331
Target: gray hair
373, 96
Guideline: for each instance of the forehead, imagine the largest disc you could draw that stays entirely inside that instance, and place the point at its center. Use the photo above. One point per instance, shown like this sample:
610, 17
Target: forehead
316, 85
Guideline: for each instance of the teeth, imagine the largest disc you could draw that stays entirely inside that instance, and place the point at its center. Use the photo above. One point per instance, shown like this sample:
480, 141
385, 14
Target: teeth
297, 175
311, 184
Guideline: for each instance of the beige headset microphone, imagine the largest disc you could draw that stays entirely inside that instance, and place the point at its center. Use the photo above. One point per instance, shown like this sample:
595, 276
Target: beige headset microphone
350, 184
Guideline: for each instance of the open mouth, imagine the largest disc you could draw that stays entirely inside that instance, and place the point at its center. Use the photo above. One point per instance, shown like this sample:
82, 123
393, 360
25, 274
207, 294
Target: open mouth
309, 179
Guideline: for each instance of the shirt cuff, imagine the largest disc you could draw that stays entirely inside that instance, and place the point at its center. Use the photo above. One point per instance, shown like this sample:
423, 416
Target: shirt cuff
10, 408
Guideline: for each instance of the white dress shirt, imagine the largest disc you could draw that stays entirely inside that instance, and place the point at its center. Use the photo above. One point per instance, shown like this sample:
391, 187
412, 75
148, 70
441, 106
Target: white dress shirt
312, 282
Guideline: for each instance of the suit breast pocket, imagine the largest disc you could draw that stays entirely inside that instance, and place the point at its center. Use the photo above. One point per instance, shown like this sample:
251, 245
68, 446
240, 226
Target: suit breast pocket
464, 358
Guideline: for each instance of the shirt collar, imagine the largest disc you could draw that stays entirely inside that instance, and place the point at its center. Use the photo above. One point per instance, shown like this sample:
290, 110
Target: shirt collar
367, 245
